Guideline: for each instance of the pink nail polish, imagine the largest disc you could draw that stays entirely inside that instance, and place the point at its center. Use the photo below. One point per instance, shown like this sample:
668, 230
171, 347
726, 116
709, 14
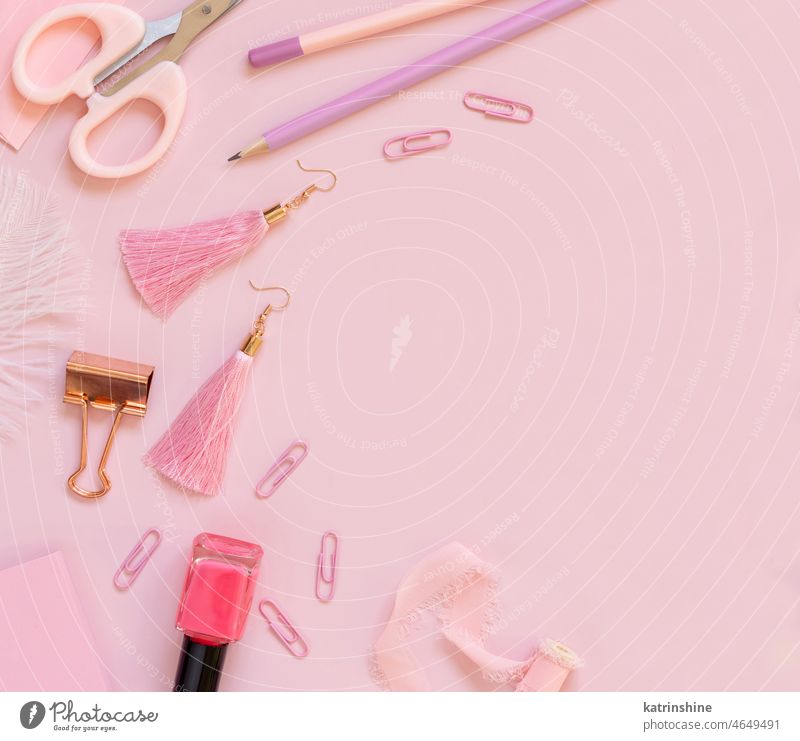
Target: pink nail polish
214, 606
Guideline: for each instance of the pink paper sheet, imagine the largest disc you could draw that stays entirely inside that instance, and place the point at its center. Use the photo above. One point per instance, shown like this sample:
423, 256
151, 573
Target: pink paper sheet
18, 117
46, 643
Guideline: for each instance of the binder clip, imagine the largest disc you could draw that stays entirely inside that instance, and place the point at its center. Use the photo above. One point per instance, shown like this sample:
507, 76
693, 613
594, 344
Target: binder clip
105, 383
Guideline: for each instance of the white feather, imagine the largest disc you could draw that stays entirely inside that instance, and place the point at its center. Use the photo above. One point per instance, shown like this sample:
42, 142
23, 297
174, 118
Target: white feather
36, 280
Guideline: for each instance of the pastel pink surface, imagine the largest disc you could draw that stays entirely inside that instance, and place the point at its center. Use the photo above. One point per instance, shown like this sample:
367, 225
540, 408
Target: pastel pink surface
572, 344
47, 644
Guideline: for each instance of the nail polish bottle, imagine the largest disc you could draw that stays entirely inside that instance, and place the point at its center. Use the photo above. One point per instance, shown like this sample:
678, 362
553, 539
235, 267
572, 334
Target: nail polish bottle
214, 607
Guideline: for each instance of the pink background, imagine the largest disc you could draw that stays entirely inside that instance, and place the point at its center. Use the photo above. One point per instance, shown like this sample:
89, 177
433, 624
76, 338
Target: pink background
599, 391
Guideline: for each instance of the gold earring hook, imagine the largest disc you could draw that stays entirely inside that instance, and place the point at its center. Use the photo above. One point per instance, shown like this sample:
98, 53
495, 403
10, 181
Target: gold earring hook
274, 288
254, 341
300, 198
328, 172
280, 210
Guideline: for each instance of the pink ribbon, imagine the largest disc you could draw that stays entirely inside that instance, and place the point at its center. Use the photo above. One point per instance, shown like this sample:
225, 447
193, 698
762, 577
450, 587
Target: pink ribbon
457, 587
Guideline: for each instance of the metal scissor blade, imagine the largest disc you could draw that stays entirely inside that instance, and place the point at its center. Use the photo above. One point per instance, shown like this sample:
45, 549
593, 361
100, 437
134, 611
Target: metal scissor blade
154, 31
193, 21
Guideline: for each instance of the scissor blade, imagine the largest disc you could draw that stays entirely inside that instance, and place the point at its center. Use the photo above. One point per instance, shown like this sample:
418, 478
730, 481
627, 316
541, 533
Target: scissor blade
193, 21
154, 31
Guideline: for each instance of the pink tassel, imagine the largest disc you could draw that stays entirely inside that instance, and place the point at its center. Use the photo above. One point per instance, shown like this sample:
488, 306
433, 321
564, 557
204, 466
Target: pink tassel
167, 264
194, 450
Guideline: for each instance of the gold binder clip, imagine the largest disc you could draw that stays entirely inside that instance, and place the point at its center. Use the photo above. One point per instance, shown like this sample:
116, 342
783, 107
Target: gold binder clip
105, 383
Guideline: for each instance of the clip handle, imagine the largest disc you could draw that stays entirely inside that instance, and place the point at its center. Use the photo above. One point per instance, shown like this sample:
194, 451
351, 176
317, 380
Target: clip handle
120, 31
165, 86
101, 469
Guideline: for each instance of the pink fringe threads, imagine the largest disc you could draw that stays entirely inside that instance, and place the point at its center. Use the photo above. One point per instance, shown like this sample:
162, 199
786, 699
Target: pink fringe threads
167, 264
193, 452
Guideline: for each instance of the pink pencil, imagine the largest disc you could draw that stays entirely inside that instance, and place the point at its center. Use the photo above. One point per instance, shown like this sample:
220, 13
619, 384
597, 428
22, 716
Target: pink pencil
342, 33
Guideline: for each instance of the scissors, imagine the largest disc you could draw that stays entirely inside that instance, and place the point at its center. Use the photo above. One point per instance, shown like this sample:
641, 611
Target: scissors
124, 34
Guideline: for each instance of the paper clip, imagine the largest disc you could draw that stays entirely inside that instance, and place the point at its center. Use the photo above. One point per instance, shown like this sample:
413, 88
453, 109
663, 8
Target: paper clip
327, 554
423, 141
287, 634
284, 466
131, 567
105, 383
499, 107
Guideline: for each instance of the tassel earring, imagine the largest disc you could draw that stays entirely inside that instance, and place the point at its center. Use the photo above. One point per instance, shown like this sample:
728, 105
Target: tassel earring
167, 264
194, 450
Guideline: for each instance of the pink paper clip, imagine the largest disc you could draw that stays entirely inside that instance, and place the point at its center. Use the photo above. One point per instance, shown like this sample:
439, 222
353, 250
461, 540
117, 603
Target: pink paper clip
327, 579
287, 634
131, 567
499, 107
283, 467
423, 141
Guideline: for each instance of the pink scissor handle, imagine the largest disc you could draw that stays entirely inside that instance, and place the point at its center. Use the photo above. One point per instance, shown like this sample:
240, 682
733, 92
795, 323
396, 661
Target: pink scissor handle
120, 31
165, 86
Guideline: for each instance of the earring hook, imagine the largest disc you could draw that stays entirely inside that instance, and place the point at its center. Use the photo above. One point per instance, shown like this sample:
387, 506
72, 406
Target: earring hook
270, 307
316, 186
304, 195
256, 337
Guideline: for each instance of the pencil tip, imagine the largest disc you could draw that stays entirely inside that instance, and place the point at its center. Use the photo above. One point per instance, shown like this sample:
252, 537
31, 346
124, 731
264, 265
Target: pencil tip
236, 156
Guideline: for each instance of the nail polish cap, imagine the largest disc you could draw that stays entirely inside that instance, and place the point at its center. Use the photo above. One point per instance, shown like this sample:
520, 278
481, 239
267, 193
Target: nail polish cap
200, 667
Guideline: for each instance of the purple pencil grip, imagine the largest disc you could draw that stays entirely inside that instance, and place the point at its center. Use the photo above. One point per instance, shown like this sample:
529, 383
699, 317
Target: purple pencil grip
280, 51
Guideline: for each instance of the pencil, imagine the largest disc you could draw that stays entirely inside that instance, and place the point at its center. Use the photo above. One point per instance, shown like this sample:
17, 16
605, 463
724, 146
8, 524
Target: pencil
359, 28
404, 77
